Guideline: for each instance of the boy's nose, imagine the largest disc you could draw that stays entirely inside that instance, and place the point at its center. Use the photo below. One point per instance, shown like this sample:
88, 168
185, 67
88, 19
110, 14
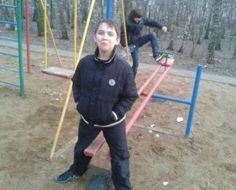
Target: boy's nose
105, 36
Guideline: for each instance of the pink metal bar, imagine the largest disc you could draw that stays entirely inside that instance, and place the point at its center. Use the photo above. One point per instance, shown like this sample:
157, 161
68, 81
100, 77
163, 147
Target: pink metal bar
148, 81
145, 101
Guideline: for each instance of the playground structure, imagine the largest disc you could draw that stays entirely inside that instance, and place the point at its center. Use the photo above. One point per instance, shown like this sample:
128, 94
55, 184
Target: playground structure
18, 24
165, 63
20, 70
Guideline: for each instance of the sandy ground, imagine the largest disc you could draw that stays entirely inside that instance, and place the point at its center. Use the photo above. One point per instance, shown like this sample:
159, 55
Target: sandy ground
160, 159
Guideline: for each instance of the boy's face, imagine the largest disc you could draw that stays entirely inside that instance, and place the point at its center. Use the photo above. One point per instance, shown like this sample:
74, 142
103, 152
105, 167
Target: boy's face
137, 19
106, 38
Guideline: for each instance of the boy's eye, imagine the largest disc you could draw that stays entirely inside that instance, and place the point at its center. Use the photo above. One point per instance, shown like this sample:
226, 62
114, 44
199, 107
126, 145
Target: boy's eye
101, 32
110, 33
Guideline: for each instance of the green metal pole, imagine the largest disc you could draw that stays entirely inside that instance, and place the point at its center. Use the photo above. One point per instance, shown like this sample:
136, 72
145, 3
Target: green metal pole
20, 53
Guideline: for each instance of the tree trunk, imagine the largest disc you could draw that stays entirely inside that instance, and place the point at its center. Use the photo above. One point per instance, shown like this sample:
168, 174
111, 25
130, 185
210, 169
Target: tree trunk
67, 10
84, 11
192, 27
193, 38
219, 26
39, 15
202, 22
51, 13
234, 54
208, 26
216, 18
186, 31
172, 37
62, 21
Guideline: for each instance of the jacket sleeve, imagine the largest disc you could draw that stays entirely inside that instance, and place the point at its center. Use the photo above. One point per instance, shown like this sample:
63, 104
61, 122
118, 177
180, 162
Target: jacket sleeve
76, 83
152, 23
128, 96
133, 27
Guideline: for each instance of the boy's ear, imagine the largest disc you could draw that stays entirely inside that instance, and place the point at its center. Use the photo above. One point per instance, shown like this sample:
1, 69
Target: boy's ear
95, 40
118, 41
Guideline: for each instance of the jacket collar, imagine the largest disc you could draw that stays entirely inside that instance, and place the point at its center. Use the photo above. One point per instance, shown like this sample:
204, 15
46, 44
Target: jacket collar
104, 61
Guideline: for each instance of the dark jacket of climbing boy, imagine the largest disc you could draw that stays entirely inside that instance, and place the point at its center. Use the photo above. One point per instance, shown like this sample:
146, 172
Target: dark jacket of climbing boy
104, 90
134, 29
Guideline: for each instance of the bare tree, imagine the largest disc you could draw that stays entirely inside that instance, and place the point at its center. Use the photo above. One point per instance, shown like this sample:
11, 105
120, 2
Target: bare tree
234, 54
185, 34
62, 21
216, 18
171, 27
206, 37
220, 27
67, 5
39, 16
192, 26
51, 12
202, 21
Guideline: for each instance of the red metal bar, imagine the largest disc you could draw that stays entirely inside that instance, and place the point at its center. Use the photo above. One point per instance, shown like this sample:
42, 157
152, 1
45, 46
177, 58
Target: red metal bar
98, 142
27, 26
145, 101
148, 81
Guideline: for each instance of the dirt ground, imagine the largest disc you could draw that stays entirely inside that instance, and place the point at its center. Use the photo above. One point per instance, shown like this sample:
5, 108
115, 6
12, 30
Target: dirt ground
161, 158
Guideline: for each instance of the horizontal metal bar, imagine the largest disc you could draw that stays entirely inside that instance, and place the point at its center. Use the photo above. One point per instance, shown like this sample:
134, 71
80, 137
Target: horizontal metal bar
173, 99
9, 39
7, 5
8, 54
9, 83
9, 69
8, 22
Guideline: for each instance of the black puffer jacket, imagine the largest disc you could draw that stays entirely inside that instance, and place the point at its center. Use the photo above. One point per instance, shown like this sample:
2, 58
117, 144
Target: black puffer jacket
100, 87
134, 29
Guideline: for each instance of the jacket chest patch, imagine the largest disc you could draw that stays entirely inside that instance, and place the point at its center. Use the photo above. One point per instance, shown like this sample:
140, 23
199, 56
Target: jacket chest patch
112, 82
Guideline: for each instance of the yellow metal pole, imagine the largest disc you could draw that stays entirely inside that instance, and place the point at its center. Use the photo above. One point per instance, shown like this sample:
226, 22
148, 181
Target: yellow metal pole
70, 87
45, 36
75, 30
125, 31
52, 36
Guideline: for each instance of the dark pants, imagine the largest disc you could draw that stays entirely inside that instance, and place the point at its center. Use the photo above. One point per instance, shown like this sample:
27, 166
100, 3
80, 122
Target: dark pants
116, 139
139, 42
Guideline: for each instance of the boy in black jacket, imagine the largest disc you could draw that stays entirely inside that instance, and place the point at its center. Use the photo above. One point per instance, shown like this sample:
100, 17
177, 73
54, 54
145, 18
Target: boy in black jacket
104, 90
134, 25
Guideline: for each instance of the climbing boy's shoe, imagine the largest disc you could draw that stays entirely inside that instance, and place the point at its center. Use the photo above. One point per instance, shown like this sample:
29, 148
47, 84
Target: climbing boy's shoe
158, 57
67, 176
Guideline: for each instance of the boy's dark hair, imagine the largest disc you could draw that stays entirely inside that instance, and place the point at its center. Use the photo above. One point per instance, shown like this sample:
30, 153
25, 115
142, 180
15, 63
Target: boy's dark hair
110, 23
136, 13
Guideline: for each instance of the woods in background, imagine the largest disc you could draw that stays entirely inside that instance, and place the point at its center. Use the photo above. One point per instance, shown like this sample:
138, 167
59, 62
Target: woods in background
188, 21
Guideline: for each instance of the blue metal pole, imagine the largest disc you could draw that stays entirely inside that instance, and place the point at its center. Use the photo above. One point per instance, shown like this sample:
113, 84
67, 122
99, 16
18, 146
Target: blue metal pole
173, 99
109, 9
193, 101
